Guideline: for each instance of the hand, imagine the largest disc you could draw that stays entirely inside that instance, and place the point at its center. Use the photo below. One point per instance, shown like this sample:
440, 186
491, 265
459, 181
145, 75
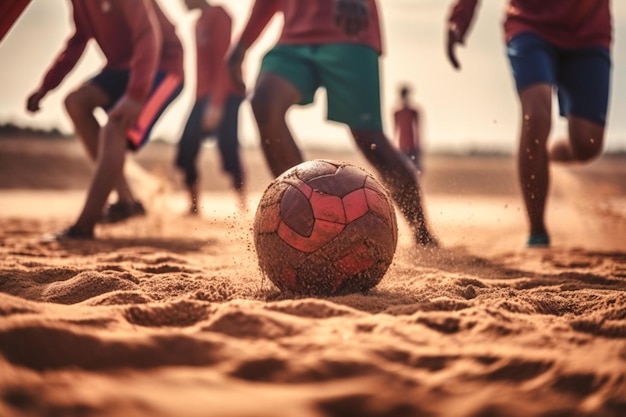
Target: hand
352, 16
126, 112
454, 38
211, 118
32, 104
234, 61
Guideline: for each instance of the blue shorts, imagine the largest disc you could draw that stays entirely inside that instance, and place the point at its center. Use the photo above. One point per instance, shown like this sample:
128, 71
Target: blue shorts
165, 88
580, 76
348, 72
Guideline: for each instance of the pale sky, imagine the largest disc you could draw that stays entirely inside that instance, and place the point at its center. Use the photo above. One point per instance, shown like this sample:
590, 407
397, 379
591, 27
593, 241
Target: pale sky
474, 108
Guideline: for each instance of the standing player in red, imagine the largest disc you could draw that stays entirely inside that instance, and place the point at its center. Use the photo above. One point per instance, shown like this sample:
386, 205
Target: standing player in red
334, 44
406, 123
216, 109
560, 45
142, 75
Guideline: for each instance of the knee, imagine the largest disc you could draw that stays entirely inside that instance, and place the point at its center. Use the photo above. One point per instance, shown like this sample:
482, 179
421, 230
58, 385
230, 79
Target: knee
586, 145
74, 103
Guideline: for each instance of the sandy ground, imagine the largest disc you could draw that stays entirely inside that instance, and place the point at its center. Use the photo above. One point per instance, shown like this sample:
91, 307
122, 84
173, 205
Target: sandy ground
169, 315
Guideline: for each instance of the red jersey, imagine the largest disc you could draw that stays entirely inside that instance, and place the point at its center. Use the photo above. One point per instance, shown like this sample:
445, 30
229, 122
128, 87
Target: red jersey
564, 23
213, 32
132, 34
10, 11
406, 127
308, 22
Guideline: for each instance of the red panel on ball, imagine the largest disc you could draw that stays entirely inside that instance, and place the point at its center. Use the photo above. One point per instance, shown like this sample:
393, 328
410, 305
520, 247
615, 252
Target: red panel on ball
359, 259
355, 205
379, 204
328, 207
323, 232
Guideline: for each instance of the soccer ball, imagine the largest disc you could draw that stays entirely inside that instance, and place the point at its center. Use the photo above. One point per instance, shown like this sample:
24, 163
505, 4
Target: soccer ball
325, 228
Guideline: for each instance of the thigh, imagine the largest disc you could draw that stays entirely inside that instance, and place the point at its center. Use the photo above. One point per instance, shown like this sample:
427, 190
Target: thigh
532, 60
193, 131
350, 74
584, 83
228, 129
290, 63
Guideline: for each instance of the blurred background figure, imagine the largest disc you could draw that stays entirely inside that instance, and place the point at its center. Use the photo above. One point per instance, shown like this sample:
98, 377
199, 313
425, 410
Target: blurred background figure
407, 127
215, 111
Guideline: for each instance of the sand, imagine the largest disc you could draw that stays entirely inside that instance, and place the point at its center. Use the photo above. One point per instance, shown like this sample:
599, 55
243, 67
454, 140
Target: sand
168, 315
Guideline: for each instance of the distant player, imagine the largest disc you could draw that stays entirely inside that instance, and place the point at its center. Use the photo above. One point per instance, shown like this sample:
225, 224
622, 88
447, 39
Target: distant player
552, 45
406, 128
142, 75
335, 45
216, 109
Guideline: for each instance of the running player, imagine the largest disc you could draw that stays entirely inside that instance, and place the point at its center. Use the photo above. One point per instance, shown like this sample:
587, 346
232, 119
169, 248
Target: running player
142, 75
336, 45
560, 45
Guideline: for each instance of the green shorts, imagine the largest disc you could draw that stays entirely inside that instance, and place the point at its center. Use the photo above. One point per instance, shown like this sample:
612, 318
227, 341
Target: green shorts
348, 72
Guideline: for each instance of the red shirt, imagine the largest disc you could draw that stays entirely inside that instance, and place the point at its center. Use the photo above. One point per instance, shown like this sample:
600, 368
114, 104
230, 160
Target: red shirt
406, 123
308, 22
213, 32
132, 34
10, 11
565, 23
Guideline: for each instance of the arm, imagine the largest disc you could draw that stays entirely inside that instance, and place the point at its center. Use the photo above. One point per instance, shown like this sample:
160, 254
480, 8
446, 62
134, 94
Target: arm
459, 22
62, 65
262, 12
146, 40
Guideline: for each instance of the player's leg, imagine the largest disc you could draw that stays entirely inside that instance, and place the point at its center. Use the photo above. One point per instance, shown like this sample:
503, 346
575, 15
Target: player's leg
101, 91
80, 105
228, 142
533, 63
351, 77
285, 79
187, 152
399, 176
109, 169
532, 156
584, 84
114, 141
585, 142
